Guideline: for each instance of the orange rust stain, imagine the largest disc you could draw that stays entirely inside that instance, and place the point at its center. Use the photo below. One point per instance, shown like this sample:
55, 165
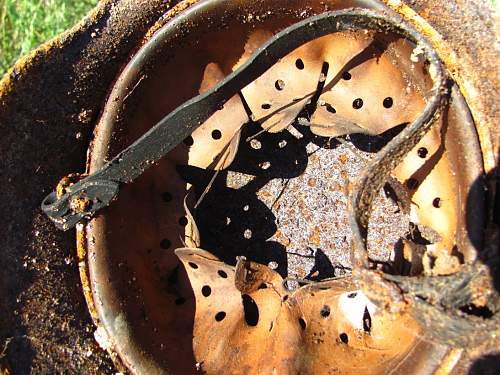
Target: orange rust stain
343, 158
314, 237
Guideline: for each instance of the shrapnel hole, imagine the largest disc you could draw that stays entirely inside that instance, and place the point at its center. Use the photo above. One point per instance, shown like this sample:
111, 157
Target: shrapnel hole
193, 265
266, 106
250, 309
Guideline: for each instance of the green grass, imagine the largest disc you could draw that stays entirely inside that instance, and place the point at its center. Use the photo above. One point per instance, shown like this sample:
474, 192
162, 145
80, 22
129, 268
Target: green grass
25, 24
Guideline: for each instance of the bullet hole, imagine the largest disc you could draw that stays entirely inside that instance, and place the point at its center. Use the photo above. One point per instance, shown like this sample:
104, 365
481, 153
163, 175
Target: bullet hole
388, 102
206, 290
189, 141
183, 221
299, 64
165, 243
193, 265
251, 310
220, 316
216, 134
279, 84
357, 103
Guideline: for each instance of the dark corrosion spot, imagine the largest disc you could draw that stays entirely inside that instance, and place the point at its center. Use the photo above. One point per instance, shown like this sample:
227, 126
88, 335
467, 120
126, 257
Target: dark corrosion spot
220, 316
422, 152
251, 310
183, 221
222, 274
167, 197
299, 64
302, 323
325, 311
436, 202
216, 134
357, 103
206, 290
344, 338
165, 244
188, 141
193, 265
330, 108
346, 75
412, 183
388, 102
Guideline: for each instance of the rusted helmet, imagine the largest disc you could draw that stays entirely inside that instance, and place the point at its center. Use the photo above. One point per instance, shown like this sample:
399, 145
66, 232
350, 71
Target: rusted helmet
284, 187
